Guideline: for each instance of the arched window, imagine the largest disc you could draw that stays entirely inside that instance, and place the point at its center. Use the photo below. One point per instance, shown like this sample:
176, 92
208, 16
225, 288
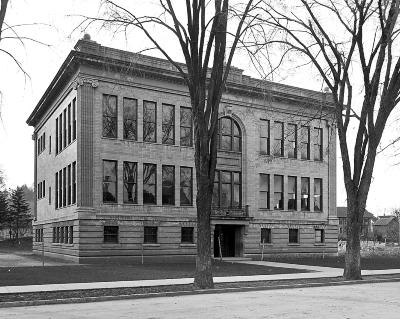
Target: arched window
229, 135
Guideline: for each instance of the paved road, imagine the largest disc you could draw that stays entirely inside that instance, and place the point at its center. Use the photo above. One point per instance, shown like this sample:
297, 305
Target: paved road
353, 301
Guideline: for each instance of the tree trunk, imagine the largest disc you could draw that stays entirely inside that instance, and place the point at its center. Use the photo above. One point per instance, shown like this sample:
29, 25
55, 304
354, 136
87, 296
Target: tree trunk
352, 268
203, 278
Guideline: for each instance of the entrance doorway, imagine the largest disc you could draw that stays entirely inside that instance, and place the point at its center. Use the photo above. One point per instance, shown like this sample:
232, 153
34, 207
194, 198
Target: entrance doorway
228, 241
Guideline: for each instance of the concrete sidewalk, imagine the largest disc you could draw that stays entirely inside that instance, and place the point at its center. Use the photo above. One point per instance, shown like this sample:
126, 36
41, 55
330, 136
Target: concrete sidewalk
316, 272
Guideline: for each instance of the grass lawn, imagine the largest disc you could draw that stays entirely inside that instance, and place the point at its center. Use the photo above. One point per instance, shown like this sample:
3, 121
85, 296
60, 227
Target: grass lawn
370, 262
24, 244
117, 272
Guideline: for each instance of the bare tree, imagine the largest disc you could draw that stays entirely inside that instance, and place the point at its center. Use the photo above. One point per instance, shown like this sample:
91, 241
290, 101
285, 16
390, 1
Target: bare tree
346, 42
396, 212
204, 40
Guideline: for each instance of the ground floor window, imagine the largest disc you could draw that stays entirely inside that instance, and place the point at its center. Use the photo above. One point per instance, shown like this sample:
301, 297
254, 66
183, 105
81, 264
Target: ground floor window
187, 235
293, 236
266, 237
63, 234
111, 234
319, 236
150, 234
39, 234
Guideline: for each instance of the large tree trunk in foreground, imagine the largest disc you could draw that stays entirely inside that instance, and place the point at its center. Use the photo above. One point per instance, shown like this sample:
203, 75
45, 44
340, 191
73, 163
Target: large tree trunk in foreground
352, 268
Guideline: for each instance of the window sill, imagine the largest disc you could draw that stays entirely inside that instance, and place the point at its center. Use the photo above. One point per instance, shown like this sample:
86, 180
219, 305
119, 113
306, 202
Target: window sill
266, 244
111, 245
151, 245
188, 245
293, 244
319, 244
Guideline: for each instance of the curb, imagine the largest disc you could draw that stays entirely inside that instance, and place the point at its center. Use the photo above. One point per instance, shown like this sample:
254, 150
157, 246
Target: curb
192, 292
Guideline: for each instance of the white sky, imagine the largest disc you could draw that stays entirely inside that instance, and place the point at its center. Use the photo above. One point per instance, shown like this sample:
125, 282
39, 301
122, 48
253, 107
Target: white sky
20, 95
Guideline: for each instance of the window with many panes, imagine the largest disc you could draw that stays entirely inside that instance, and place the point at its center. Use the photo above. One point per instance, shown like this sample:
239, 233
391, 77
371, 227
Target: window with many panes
111, 234
186, 126
278, 139
168, 124
168, 185
227, 189
305, 142
292, 140
319, 236
305, 193
130, 182
69, 124
187, 235
292, 187
130, 119
186, 179
318, 144
266, 237
149, 121
109, 181
73, 182
110, 116
263, 200
149, 184
317, 194
74, 119
264, 137
294, 236
229, 136
69, 184
278, 192
150, 234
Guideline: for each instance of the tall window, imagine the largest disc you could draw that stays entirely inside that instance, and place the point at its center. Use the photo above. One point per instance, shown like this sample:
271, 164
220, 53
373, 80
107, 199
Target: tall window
263, 191
168, 124
149, 184
65, 128
278, 192
292, 140
186, 126
56, 135
150, 235
69, 185
50, 144
74, 119
266, 236
73, 182
111, 234
168, 185
318, 144
292, 198
319, 236
69, 124
149, 121
130, 182
305, 193
64, 172
109, 181
278, 139
186, 180
187, 235
60, 133
110, 116
293, 236
227, 189
317, 194
229, 135
130, 118
264, 137
305, 142
60, 191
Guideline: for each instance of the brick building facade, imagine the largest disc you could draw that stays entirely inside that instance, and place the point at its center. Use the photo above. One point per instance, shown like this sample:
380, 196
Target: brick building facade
114, 163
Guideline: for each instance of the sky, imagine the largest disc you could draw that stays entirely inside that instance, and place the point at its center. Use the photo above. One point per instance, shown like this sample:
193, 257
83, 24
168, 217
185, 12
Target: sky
56, 25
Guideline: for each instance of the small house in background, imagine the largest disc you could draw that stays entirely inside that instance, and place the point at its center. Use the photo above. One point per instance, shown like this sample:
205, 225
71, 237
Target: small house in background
387, 228
367, 227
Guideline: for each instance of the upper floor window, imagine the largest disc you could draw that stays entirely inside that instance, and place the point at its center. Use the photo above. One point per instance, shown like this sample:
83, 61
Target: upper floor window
292, 140
317, 194
109, 116
263, 191
278, 192
292, 190
168, 185
305, 193
74, 119
229, 135
109, 181
264, 137
278, 139
186, 186
186, 126
130, 119
149, 121
305, 142
227, 189
168, 124
130, 182
318, 144
149, 184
